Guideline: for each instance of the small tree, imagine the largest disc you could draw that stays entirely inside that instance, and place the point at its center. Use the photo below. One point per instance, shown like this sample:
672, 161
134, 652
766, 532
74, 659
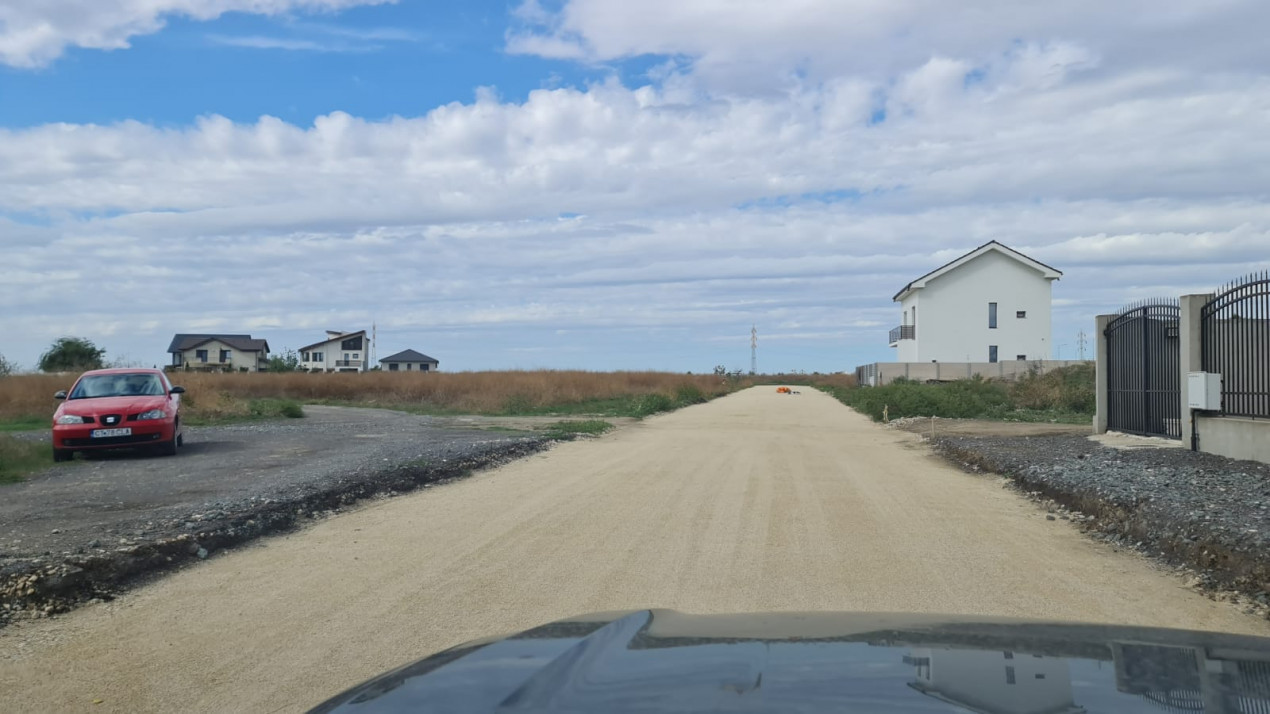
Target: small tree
71, 354
6, 367
288, 361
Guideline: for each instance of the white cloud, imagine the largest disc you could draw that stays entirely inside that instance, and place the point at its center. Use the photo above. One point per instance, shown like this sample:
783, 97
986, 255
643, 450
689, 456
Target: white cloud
33, 33
645, 226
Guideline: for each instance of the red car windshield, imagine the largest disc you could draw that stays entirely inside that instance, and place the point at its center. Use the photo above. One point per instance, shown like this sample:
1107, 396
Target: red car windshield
118, 385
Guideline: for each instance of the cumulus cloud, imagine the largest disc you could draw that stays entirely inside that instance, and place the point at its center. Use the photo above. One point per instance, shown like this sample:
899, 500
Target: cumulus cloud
645, 224
753, 43
33, 33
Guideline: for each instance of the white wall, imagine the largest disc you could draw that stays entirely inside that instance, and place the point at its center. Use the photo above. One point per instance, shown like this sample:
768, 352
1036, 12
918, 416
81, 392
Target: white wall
907, 350
332, 354
237, 358
881, 373
952, 317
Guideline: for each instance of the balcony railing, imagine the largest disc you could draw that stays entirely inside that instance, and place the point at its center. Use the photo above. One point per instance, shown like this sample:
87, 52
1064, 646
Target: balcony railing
348, 363
903, 332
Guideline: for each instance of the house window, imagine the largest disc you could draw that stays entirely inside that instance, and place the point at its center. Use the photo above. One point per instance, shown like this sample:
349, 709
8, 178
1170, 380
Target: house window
407, 366
992, 317
1021, 314
392, 366
224, 355
423, 367
356, 356
1009, 675
200, 355
304, 356
354, 343
318, 357
1021, 358
992, 353
176, 359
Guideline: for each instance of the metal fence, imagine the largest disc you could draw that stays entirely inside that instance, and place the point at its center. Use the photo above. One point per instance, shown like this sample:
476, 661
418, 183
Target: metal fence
1235, 334
1143, 382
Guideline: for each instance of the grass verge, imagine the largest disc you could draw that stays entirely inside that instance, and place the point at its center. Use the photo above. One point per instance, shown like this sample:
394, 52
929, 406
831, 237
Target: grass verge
19, 458
26, 423
1064, 396
229, 411
571, 429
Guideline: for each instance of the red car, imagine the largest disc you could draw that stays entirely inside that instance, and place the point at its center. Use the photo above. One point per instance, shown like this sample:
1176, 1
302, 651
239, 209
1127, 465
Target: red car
118, 408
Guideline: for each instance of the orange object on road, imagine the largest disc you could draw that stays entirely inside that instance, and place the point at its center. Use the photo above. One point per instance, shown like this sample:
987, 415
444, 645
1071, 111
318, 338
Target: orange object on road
783, 390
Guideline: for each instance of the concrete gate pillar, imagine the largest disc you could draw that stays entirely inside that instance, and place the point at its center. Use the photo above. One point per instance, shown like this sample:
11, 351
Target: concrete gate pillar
1100, 378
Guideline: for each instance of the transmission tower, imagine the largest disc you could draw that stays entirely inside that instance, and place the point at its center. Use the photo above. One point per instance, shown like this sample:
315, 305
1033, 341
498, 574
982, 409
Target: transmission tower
753, 349
1080, 341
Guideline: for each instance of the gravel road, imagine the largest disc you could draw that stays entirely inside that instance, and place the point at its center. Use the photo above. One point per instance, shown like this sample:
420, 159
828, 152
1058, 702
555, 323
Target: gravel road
100, 509
756, 501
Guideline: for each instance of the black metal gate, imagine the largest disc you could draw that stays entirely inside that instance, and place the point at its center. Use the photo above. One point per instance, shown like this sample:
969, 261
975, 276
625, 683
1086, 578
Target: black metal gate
1143, 384
1236, 344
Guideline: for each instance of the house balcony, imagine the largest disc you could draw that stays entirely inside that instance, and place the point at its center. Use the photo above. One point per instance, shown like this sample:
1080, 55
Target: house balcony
903, 332
345, 363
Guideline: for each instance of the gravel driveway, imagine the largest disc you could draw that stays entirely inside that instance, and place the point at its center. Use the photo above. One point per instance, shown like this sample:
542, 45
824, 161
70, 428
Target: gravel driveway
228, 484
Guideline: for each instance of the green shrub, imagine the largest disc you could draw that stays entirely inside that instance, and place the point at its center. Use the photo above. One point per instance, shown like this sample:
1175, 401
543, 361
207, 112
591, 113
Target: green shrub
687, 394
268, 407
1065, 395
649, 404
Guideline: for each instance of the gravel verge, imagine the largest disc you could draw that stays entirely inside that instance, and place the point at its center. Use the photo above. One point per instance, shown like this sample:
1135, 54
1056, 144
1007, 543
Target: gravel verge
88, 530
1193, 510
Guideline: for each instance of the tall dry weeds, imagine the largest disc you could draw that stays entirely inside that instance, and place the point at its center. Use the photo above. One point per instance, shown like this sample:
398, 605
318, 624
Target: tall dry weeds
460, 392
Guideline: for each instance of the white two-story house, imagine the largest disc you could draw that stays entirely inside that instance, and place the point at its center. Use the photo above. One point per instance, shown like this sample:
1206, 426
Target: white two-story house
990, 305
339, 352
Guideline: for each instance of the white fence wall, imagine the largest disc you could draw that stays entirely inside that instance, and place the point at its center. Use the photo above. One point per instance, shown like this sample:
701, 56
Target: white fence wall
880, 373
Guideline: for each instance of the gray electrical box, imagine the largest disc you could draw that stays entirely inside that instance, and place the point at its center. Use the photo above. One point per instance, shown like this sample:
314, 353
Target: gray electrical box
1203, 391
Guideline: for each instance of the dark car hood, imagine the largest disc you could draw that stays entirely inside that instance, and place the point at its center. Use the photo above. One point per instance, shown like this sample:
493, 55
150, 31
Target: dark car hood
665, 661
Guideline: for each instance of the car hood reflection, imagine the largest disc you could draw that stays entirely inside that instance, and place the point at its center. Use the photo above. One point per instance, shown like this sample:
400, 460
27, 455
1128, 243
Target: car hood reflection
665, 661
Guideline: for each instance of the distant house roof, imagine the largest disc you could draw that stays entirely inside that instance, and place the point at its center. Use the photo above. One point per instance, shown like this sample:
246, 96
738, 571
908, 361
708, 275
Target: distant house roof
409, 356
242, 343
332, 336
990, 247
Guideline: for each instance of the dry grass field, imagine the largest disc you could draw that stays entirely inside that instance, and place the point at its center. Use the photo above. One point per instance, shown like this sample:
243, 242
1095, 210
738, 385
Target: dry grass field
216, 396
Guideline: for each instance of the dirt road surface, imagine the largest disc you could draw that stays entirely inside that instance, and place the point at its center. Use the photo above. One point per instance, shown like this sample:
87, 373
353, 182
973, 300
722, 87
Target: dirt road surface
757, 501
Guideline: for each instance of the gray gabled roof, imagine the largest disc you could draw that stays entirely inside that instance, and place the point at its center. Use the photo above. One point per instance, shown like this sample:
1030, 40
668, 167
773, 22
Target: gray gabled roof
409, 356
336, 338
242, 343
991, 246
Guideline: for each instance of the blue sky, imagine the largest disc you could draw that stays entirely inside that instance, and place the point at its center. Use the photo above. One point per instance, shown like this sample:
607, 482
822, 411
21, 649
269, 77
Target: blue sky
604, 185
402, 59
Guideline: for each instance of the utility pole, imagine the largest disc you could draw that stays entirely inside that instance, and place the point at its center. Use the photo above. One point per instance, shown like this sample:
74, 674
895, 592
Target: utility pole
1080, 340
753, 349
373, 329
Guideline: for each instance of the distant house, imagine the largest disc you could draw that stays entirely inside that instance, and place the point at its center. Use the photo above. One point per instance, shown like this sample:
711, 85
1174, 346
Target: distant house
339, 352
990, 305
238, 353
409, 361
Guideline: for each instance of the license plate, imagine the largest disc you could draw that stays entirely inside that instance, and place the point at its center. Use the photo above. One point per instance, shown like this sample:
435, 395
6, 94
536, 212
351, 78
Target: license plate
106, 433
